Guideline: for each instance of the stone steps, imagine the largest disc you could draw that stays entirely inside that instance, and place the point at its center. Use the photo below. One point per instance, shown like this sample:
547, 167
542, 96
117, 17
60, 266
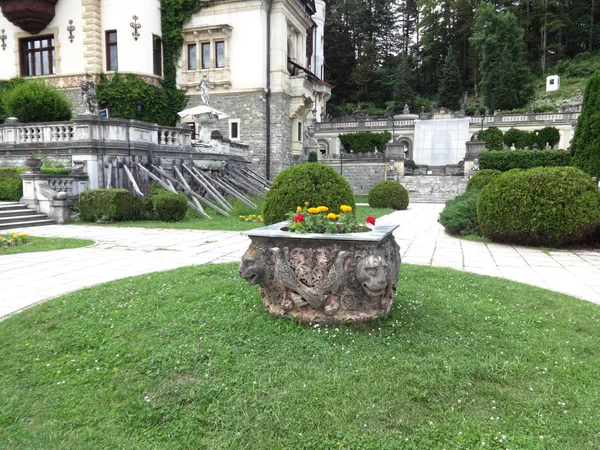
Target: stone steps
432, 188
15, 215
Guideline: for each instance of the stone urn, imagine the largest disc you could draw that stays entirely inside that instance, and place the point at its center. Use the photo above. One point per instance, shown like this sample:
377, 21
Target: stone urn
323, 278
34, 164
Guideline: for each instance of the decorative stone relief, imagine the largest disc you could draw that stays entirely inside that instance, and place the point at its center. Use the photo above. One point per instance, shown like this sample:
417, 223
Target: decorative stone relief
324, 281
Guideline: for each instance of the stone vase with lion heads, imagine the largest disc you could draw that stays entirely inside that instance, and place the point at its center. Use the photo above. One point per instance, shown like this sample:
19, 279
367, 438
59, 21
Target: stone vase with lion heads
323, 278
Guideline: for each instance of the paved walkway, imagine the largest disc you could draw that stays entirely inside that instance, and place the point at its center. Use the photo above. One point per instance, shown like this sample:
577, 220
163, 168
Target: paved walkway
30, 278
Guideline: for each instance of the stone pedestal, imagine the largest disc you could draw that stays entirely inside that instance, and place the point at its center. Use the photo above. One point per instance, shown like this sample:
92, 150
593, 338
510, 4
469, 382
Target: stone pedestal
323, 278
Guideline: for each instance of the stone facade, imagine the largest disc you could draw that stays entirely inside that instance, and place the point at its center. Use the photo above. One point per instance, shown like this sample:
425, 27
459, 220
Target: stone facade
362, 174
250, 108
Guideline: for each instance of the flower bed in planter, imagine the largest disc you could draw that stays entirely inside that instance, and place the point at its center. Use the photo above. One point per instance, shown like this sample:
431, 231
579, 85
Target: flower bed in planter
323, 278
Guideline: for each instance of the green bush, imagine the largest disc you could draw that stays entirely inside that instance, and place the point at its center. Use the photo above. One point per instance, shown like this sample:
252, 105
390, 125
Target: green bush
482, 179
5, 87
523, 159
121, 94
11, 185
312, 157
170, 207
519, 138
318, 184
492, 137
388, 194
410, 164
35, 101
549, 135
549, 206
108, 205
55, 170
365, 141
459, 217
147, 203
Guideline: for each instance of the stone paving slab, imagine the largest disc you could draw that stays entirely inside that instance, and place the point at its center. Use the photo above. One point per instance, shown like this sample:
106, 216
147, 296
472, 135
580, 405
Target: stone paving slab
118, 252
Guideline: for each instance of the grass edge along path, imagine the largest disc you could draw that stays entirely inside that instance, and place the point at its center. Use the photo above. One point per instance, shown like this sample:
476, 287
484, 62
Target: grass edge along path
190, 359
44, 244
194, 221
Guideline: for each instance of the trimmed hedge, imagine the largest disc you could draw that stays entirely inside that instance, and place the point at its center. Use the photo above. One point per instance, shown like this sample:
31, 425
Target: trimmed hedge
35, 101
109, 205
317, 184
492, 137
550, 206
365, 141
11, 185
170, 207
523, 159
459, 217
482, 178
388, 194
519, 138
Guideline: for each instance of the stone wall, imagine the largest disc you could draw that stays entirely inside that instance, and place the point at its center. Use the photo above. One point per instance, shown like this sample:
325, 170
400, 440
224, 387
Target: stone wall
361, 174
250, 108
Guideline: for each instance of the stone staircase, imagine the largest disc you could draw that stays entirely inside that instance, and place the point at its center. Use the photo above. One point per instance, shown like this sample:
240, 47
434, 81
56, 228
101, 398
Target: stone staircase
433, 188
15, 215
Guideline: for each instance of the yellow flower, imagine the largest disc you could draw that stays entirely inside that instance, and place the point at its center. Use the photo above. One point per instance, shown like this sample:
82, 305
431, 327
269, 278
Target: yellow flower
337, 216
306, 203
299, 209
313, 210
242, 217
14, 236
323, 208
260, 218
23, 235
346, 208
332, 216
251, 216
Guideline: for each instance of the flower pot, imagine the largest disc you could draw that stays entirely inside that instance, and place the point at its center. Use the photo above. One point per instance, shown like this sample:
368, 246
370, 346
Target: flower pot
323, 278
34, 164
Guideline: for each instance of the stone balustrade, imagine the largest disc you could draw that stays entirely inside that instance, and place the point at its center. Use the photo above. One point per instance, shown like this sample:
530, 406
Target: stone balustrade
503, 120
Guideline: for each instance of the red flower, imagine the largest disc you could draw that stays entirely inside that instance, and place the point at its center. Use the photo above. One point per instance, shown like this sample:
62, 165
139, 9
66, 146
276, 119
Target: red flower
298, 218
31, 153
371, 220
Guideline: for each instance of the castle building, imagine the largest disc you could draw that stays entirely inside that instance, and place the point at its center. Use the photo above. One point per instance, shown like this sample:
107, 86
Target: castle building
263, 59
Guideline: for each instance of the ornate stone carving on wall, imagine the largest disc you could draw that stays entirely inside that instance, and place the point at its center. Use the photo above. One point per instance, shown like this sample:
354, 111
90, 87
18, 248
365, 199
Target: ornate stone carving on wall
324, 281
29, 15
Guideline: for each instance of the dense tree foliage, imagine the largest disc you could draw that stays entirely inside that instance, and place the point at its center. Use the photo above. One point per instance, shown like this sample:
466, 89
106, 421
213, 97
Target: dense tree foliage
371, 44
586, 142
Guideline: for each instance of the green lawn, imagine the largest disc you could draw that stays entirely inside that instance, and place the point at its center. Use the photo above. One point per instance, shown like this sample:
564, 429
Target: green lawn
190, 359
41, 244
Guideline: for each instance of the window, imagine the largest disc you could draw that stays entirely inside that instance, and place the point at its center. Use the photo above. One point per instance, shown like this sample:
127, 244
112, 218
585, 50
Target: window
234, 129
112, 54
206, 55
299, 131
191, 52
37, 56
157, 54
192, 126
220, 53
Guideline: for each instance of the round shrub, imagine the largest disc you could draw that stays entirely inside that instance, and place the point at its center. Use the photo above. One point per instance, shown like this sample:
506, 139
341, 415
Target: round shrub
492, 137
550, 206
318, 184
34, 101
482, 179
170, 207
388, 194
459, 217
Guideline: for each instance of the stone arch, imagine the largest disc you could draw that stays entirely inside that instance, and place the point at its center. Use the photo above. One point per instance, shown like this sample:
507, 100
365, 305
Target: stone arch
323, 147
404, 140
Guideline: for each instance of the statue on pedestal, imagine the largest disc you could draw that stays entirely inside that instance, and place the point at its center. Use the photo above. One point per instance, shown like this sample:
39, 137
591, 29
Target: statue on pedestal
88, 95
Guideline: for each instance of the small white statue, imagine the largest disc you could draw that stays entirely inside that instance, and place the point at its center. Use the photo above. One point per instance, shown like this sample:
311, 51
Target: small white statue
204, 87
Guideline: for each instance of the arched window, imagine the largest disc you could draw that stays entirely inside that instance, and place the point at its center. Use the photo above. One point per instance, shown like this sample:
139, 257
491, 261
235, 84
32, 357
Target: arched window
323, 147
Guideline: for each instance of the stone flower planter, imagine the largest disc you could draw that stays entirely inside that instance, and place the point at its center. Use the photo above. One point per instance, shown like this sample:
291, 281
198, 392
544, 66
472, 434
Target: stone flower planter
323, 278
35, 164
